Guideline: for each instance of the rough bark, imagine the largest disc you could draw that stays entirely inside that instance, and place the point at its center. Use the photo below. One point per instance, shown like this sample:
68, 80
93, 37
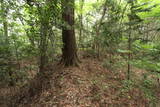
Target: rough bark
69, 50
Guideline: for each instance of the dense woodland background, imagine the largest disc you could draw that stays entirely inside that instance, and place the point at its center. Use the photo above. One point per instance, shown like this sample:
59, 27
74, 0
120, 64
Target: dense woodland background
80, 53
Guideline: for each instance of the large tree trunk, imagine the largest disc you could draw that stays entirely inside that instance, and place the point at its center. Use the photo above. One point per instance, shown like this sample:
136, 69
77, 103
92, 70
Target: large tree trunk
69, 51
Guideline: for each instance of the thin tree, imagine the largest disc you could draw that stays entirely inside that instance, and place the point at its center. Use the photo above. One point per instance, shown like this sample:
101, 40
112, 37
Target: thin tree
43, 17
5, 10
81, 22
98, 26
5, 22
43, 44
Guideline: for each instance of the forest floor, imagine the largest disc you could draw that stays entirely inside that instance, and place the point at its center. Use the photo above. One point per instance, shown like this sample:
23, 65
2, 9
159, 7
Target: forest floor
89, 85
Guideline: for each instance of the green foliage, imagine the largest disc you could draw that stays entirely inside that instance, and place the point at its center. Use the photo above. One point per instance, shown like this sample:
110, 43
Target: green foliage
148, 65
149, 60
147, 88
114, 63
127, 86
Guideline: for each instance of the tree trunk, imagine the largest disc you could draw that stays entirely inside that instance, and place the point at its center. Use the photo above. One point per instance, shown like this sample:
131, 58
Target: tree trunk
98, 26
129, 54
43, 45
69, 50
130, 43
81, 23
7, 44
5, 23
44, 33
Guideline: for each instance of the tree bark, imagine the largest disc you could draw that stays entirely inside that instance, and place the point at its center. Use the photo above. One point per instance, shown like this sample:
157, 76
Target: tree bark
44, 33
130, 43
69, 50
43, 45
96, 44
5, 10
129, 54
81, 23
5, 23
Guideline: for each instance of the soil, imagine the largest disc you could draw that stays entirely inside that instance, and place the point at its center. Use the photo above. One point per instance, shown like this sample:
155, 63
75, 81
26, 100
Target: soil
89, 85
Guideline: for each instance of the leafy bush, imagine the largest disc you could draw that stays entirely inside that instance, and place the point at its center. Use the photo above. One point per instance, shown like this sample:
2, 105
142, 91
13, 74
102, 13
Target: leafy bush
113, 64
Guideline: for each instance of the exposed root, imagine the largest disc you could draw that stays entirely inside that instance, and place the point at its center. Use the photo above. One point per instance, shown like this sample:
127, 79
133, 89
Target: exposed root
70, 61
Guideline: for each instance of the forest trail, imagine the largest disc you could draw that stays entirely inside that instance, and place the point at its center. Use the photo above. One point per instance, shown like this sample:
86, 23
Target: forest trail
90, 85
